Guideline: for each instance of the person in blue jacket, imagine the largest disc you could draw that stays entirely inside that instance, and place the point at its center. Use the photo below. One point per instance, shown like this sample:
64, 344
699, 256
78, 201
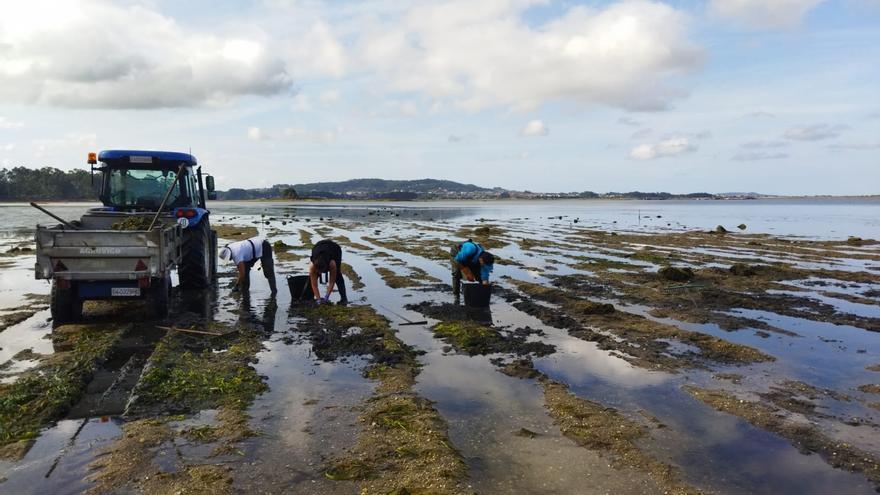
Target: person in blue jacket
471, 261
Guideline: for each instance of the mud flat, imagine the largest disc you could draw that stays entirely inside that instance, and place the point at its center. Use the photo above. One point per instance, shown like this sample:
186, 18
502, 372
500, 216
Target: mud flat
629, 359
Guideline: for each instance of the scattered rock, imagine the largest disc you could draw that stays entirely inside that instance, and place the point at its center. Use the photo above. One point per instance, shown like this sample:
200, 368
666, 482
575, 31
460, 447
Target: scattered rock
525, 433
871, 388
676, 274
742, 270
721, 230
741, 226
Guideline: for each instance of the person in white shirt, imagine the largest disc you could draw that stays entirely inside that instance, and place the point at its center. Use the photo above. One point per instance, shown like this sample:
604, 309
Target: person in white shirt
245, 254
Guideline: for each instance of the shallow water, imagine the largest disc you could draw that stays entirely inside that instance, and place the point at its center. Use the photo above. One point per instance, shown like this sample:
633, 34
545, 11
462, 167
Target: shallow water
309, 415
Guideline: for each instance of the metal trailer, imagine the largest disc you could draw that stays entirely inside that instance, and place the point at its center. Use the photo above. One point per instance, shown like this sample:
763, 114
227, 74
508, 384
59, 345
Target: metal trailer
104, 264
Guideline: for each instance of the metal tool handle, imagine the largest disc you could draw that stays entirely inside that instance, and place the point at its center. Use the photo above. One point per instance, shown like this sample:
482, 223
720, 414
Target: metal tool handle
165, 199
56, 217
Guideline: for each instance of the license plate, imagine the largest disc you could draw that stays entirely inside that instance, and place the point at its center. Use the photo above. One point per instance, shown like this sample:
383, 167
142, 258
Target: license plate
125, 291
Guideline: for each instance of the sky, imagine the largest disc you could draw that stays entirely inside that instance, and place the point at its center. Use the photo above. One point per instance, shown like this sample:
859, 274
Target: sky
772, 96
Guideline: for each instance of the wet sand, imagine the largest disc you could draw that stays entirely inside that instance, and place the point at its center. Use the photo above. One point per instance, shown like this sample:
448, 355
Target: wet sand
614, 359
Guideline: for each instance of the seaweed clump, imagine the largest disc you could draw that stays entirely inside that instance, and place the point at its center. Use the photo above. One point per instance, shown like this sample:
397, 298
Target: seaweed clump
184, 374
136, 222
404, 446
743, 270
470, 331
235, 232
675, 274
640, 340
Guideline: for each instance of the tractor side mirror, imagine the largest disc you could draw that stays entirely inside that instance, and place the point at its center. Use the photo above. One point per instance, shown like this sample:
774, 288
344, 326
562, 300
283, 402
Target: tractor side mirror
209, 182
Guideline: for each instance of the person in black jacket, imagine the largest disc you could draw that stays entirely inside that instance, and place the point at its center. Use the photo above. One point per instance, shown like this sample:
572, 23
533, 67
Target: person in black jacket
327, 258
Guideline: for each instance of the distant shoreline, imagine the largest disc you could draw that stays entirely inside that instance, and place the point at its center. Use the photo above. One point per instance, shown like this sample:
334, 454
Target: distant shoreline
480, 200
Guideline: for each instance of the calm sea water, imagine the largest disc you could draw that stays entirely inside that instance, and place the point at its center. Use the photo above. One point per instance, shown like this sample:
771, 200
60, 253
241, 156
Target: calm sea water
814, 218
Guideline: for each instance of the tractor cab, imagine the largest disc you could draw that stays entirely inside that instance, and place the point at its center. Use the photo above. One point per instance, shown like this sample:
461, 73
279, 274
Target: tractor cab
137, 181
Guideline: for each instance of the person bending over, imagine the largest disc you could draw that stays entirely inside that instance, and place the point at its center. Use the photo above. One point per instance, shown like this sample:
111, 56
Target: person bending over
327, 258
245, 255
471, 261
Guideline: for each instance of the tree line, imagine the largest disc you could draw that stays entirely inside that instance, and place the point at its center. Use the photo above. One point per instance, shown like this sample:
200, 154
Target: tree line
47, 183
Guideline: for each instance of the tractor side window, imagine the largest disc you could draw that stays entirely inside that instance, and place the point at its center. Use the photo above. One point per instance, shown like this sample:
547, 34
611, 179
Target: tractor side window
188, 190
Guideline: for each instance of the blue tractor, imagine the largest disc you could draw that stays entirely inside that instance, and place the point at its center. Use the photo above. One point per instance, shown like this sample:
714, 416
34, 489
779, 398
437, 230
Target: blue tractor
154, 218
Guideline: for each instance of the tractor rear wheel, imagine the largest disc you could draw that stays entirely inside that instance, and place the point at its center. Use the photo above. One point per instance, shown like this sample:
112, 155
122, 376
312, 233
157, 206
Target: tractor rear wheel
65, 304
213, 255
195, 262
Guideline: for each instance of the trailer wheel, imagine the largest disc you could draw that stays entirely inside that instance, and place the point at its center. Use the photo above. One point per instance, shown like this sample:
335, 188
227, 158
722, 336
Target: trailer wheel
195, 262
65, 304
160, 294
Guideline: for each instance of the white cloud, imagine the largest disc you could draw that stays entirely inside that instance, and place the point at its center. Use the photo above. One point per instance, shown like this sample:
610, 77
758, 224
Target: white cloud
764, 14
94, 53
292, 134
329, 97
668, 147
462, 138
641, 133
317, 52
760, 114
753, 156
479, 55
763, 144
392, 109
10, 124
815, 132
855, 146
70, 143
8, 147
535, 128
301, 103
629, 121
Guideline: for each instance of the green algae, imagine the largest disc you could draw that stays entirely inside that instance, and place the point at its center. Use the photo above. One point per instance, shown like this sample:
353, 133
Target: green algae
460, 327
185, 374
640, 339
235, 232
430, 249
488, 236
356, 282
469, 337
597, 427
305, 238
43, 394
396, 281
404, 446
138, 222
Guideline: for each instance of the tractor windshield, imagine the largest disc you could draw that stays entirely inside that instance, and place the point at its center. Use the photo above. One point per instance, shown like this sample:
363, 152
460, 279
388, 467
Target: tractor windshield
143, 189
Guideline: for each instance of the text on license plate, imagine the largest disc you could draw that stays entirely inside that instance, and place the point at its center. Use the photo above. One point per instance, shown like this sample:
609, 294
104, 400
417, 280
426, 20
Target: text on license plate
125, 291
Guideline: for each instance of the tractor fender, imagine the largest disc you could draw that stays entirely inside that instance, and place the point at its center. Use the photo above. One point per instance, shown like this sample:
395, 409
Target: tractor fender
196, 219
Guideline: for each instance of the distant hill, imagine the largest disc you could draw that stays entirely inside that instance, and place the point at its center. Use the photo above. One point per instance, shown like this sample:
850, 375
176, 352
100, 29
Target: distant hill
366, 189
382, 186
